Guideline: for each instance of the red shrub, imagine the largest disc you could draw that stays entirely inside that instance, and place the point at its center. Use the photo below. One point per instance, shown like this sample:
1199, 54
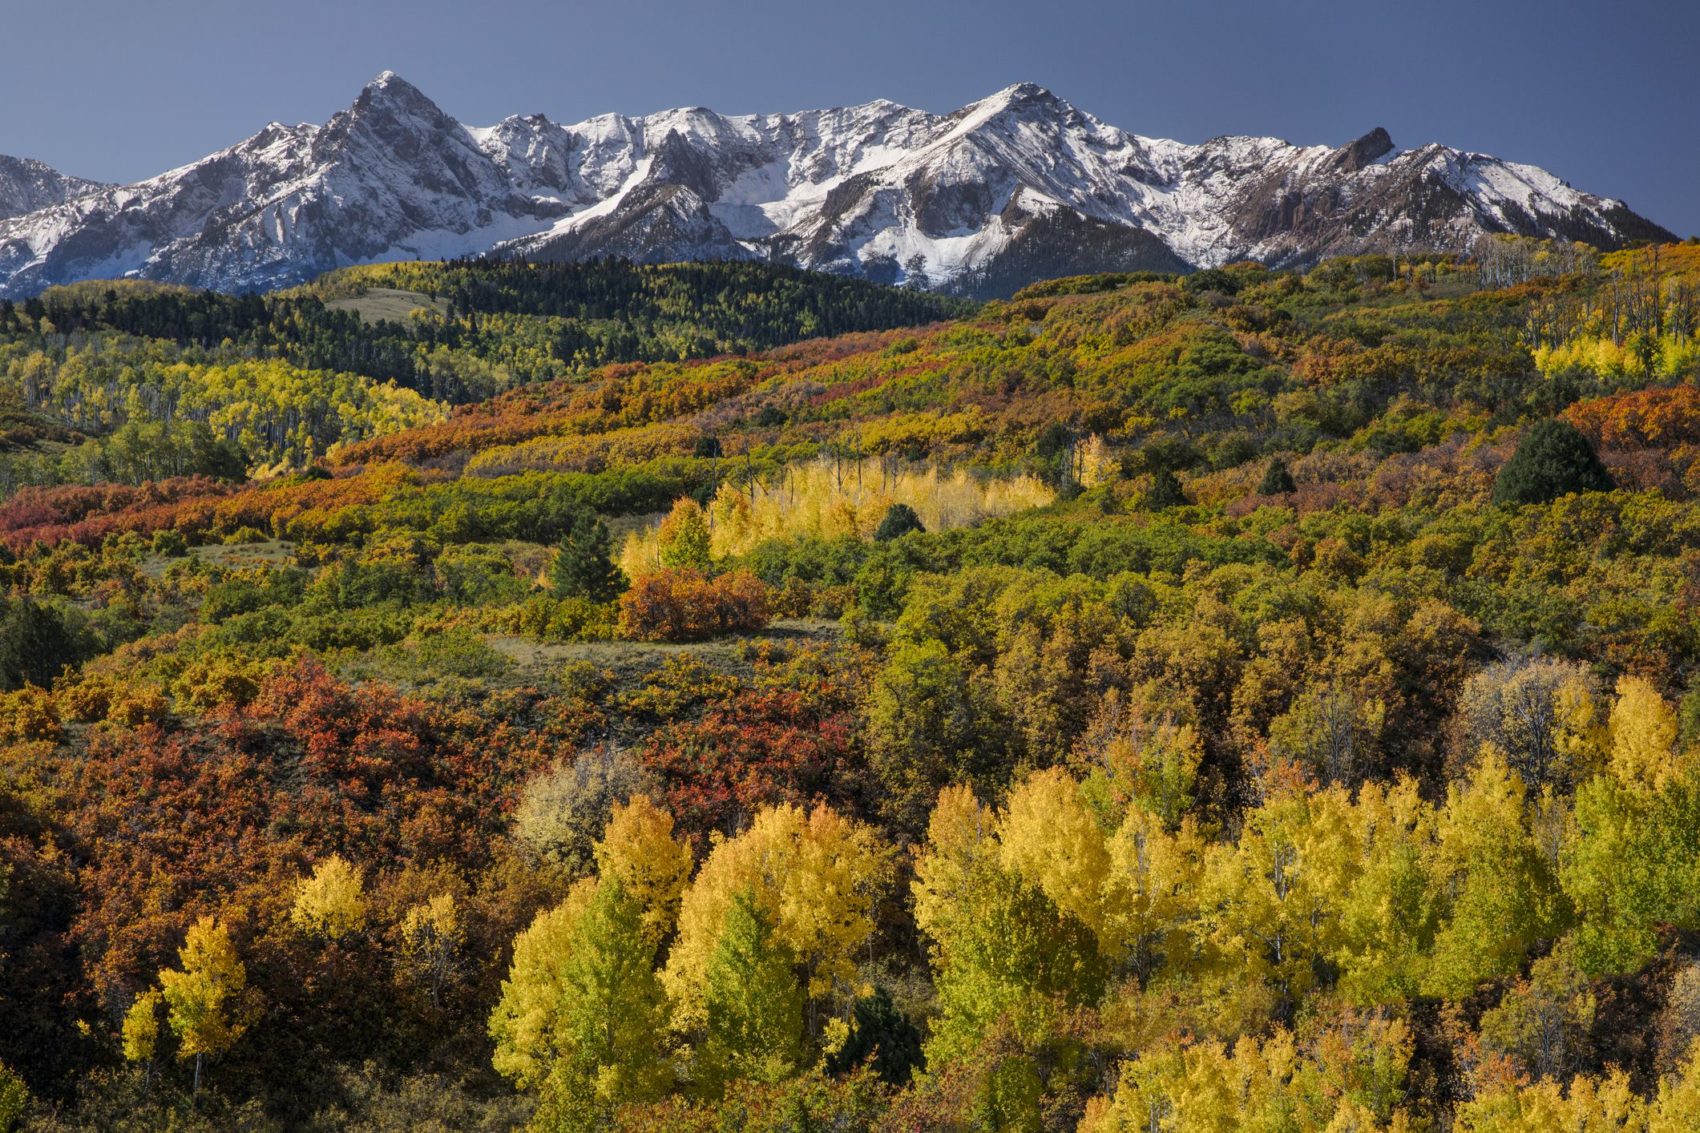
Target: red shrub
687, 605
1661, 417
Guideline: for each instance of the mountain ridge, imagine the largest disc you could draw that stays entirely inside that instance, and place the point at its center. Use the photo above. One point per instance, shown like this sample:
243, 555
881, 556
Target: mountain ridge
1013, 187
27, 185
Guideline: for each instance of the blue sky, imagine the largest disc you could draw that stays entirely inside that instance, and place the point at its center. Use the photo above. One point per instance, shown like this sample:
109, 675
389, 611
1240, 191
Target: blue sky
1604, 94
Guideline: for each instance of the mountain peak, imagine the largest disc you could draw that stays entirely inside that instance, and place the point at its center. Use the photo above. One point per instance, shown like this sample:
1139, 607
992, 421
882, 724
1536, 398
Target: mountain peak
389, 89
1367, 150
1018, 94
27, 185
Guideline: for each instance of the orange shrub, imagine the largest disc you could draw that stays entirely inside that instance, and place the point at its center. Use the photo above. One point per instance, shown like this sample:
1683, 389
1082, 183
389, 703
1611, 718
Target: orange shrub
686, 605
1660, 417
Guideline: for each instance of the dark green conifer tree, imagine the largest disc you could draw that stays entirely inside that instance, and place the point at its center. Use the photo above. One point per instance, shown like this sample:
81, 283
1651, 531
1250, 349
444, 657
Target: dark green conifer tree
1553, 459
1277, 480
584, 565
900, 520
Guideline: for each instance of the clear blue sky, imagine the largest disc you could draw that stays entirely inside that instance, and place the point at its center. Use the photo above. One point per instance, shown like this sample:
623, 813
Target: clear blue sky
1605, 94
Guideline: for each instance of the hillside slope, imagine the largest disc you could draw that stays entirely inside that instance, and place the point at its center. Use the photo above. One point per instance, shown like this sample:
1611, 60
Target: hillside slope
1247, 691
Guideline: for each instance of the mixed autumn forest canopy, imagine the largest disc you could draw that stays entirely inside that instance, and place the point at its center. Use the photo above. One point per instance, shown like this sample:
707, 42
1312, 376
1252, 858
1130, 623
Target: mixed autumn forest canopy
486, 696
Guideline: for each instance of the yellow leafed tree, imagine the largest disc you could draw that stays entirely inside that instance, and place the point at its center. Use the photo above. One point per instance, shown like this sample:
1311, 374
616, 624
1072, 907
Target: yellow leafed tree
1051, 840
431, 940
208, 1009
140, 1032
528, 1022
831, 500
638, 850
332, 902
816, 877
1643, 735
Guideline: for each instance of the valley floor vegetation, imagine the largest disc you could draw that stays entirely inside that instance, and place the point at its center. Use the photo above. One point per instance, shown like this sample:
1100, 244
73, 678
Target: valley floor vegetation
1242, 701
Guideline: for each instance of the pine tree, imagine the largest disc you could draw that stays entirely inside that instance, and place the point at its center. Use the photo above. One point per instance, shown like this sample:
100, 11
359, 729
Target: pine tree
753, 1001
615, 1016
1165, 492
755, 1007
584, 565
582, 1013
35, 645
1553, 459
1277, 480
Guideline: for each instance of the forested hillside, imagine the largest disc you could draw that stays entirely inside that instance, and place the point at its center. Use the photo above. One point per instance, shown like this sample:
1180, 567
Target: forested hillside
1246, 700
127, 381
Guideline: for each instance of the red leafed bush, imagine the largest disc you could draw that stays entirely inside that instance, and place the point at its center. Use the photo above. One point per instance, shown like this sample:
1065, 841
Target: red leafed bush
759, 747
687, 605
1661, 417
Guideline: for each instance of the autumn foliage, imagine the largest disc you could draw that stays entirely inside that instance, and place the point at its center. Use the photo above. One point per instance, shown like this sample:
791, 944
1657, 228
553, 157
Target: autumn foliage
1205, 749
684, 604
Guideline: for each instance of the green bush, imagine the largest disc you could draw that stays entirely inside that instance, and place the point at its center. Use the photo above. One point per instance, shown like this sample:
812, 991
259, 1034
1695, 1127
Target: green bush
899, 520
1553, 459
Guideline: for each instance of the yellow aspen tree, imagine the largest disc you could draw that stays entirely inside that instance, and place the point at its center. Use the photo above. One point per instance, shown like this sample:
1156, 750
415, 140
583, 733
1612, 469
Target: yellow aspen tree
1388, 915
1262, 1086
1678, 1098
582, 1015
640, 851
1154, 888
526, 1024
816, 876
432, 937
960, 835
1270, 903
14, 1098
330, 904
684, 536
205, 996
1496, 889
1643, 735
615, 1013
1050, 839
1000, 948
1588, 1103
140, 1031
1098, 464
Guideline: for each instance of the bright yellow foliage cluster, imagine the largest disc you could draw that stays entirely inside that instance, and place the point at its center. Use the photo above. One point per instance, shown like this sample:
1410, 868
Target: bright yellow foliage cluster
332, 902
831, 499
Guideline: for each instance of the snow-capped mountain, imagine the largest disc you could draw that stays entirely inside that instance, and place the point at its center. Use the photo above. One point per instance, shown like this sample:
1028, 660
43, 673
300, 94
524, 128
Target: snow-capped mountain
27, 185
1016, 187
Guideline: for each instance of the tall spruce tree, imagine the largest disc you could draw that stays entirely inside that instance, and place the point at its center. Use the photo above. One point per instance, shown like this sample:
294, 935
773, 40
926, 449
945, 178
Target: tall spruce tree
755, 1007
584, 565
1277, 479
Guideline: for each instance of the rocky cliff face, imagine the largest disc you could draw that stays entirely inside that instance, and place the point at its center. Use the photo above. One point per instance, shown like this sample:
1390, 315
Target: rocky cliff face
27, 185
1015, 187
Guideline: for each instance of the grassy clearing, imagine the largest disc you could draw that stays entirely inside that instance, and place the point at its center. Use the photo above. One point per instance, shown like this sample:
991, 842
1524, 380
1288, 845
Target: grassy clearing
379, 304
630, 661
